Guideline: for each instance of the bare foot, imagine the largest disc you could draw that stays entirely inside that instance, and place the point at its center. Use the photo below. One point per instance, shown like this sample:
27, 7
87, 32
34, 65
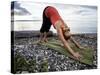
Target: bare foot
41, 41
45, 40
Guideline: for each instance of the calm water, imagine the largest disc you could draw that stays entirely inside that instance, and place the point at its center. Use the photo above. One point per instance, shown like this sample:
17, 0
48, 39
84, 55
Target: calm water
76, 27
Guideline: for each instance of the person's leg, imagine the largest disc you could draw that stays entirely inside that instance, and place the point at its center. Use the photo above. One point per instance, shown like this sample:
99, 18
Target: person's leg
48, 26
45, 37
42, 29
42, 32
45, 28
41, 37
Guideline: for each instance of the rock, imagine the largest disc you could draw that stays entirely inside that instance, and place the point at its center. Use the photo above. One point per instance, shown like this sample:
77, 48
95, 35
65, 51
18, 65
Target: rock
23, 72
56, 61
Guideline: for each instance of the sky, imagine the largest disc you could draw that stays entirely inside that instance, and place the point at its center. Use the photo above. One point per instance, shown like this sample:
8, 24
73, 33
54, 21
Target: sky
76, 16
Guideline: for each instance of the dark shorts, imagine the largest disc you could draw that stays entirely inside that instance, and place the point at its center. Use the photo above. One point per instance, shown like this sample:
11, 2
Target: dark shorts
46, 23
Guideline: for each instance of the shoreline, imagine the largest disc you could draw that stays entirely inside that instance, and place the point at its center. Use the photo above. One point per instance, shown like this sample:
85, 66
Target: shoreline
23, 34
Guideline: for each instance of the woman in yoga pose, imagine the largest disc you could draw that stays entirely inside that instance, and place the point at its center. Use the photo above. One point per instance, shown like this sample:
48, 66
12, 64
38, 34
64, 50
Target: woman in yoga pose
52, 17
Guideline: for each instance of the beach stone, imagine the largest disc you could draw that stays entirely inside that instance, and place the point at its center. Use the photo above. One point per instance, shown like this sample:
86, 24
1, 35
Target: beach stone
23, 72
56, 61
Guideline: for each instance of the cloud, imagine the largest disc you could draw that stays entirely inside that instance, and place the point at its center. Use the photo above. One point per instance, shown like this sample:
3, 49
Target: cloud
17, 9
67, 11
87, 10
78, 17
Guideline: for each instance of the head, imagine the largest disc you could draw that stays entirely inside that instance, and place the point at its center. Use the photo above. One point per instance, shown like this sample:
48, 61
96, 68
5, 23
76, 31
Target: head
66, 33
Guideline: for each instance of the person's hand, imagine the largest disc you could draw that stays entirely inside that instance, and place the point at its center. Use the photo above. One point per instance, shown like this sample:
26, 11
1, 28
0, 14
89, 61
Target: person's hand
82, 48
77, 55
62, 45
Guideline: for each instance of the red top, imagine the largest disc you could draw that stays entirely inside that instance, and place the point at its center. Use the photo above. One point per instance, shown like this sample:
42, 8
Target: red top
53, 14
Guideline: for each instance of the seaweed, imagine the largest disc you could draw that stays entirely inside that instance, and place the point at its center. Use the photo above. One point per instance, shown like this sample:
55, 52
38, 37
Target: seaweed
87, 53
21, 64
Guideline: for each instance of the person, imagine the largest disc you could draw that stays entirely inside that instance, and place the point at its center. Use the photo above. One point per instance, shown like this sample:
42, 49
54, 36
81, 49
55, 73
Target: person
52, 17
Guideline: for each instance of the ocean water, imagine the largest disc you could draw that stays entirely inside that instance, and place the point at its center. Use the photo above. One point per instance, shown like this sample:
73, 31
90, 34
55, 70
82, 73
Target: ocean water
75, 27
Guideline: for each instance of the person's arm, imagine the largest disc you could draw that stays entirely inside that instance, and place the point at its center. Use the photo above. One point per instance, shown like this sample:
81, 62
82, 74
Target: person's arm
66, 45
76, 43
60, 34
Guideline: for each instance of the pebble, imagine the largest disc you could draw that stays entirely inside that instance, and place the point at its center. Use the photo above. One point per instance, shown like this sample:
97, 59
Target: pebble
56, 61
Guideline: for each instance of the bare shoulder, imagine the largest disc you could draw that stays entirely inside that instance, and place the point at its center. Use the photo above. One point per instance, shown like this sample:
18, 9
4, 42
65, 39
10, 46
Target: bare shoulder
58, 24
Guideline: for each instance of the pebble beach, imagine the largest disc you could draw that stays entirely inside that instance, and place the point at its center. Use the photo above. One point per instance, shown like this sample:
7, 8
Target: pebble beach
33, 58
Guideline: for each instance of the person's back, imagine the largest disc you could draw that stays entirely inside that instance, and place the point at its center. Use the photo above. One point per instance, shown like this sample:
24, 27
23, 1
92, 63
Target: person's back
53, 14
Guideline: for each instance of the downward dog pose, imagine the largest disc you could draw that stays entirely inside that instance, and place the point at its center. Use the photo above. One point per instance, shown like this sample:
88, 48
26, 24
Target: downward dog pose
52, 17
